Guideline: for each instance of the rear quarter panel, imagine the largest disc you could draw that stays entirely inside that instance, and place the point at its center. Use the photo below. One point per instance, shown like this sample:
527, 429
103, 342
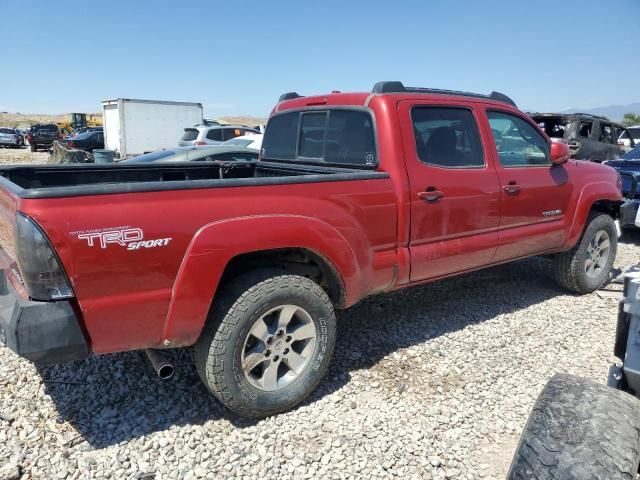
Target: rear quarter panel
125, 295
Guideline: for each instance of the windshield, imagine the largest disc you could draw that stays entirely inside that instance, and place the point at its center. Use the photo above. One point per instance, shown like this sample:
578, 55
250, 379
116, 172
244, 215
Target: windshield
150, 157
632, 155
84, 135
243, 142
7, 130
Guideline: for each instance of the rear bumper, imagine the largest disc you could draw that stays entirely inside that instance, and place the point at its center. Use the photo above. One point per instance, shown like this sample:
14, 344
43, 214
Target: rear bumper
43, 332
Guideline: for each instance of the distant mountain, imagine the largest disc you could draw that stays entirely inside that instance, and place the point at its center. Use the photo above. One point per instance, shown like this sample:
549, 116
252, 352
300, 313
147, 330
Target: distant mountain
614, 112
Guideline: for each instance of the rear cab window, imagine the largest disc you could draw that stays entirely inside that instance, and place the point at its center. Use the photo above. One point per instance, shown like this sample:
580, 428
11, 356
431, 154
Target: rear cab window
341, 137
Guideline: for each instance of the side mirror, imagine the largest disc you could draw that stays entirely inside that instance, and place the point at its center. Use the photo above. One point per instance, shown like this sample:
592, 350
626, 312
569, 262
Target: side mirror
560, 153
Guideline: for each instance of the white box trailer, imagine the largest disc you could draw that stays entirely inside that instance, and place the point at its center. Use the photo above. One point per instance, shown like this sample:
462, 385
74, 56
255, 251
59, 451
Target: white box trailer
133, 127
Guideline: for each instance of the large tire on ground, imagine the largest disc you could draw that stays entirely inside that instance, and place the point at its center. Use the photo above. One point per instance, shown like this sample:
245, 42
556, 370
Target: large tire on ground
33, 147
267, 343
585, 267
579, 430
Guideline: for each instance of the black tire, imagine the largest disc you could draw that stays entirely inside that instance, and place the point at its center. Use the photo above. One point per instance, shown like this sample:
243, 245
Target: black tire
579, 430
569, 267
33, 147
242, 302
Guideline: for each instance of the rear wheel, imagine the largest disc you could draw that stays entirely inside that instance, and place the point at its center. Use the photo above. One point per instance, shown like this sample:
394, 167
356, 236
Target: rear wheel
586, 266
33, 147
267, 344
579, 430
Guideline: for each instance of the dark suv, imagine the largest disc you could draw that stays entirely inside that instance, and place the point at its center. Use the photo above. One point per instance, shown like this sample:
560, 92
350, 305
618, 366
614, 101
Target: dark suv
42, 136
589, 137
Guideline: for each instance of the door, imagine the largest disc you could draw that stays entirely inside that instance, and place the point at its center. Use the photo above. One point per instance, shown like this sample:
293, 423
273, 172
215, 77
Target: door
535, 195
454, 189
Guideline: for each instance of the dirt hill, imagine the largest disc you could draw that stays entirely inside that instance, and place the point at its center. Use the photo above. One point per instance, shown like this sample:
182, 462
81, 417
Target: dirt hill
23, 120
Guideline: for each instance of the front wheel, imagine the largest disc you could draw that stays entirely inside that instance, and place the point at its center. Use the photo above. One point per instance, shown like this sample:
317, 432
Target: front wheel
267, 344
586, 266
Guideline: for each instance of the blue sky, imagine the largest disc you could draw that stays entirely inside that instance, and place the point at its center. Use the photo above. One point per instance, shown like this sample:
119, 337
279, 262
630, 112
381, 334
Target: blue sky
237, 57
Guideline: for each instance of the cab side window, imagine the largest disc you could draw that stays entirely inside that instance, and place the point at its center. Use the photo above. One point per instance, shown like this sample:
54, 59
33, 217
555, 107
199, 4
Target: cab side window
518, 143
606, 133
447, 137
585, 129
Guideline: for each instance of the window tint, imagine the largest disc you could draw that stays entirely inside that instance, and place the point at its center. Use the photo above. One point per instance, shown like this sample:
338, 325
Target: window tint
281, 137
447, 137
189, 134
215, 134
229, 133
518, 143
350, 138
312, 130
585, 129
635, 132
332, 136
7, 130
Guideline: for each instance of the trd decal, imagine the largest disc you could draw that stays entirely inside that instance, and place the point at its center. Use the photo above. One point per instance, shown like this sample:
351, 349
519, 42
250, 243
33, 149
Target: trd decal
129, 237
552, 213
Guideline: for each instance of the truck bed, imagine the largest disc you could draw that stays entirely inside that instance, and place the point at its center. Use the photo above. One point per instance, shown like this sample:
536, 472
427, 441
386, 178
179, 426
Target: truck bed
55, 181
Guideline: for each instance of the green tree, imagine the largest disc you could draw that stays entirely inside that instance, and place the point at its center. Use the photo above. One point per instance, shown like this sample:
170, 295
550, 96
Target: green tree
630, 119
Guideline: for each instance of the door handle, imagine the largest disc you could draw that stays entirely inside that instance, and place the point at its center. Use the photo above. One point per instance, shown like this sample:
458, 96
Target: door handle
511, 188
430, 195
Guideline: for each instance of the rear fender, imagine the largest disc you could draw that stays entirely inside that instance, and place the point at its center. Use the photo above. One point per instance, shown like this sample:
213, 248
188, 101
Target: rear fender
217, 243
590, 194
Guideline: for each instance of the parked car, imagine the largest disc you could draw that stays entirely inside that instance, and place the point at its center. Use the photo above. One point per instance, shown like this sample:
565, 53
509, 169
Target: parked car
579, 429
43, 135
589, 137
630, 135
629, 168
10, 137
224, 153
212, 134
78, 131
87, 141
354, 194
251, 140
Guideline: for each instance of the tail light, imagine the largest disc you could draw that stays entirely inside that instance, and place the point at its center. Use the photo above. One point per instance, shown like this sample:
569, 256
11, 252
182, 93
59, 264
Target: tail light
70, 144
29, 137
39, 265
199, 142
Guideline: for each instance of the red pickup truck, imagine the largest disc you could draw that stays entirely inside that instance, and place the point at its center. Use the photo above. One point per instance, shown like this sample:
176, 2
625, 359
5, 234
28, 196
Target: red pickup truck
353, 194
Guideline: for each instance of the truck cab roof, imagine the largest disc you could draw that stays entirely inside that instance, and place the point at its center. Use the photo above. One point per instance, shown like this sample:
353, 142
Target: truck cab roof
292, 100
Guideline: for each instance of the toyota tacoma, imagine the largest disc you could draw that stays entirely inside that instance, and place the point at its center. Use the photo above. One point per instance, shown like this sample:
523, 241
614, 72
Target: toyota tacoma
353, 194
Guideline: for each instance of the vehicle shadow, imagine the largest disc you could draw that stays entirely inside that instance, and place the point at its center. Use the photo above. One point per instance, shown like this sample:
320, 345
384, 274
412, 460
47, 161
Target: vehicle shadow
630, 236
115, 398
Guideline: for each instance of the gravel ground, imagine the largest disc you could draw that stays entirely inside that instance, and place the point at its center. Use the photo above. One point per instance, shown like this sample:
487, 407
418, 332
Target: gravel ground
22, 155
430, 382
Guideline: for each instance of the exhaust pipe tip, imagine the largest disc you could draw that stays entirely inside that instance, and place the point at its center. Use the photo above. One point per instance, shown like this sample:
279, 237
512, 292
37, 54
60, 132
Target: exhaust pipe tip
165, 372
162, 366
